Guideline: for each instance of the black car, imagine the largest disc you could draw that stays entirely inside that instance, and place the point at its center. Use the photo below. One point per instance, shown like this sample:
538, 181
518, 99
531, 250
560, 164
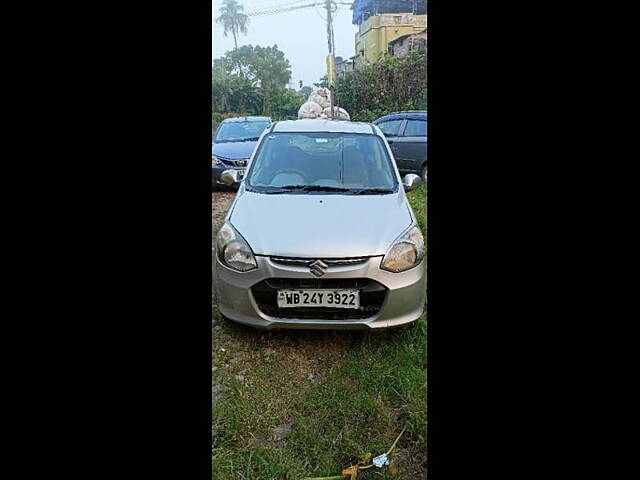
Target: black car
406, 134
234, 142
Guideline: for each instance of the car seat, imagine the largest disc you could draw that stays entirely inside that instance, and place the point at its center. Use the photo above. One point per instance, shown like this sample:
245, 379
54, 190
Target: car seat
291, 158
355, 172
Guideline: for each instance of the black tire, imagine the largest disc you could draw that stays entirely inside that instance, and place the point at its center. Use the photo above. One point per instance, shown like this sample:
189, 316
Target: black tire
423, 175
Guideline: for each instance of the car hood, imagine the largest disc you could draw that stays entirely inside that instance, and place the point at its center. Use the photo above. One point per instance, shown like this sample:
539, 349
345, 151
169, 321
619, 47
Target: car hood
325, 226
234, 150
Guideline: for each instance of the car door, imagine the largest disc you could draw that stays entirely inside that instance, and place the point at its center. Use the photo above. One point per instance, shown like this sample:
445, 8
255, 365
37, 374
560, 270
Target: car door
411, 146
391, 130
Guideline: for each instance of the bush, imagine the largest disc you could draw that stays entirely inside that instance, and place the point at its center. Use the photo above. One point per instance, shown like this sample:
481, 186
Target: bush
391, 84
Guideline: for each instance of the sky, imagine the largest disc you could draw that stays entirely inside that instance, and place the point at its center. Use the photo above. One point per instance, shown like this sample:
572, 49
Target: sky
300, 34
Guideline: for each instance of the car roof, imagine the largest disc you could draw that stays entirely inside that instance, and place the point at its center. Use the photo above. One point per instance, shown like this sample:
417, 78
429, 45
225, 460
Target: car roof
322, 125
247, 119
410, 114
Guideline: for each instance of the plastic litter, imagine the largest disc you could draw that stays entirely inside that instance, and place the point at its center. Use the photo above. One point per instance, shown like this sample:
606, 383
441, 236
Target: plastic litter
379, 461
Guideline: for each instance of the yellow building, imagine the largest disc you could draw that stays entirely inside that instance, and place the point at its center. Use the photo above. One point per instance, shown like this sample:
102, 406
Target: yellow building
382, 21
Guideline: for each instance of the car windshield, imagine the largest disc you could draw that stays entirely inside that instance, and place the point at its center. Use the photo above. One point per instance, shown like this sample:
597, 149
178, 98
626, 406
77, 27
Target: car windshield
240, 131
345, 163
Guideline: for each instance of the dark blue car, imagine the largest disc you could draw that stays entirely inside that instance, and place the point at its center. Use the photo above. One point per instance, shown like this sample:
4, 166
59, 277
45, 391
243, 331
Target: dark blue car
234, 142
406, 134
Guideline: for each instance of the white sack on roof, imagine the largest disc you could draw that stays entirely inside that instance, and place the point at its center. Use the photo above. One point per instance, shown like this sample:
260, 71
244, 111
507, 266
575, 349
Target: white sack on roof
339, 113
319, 100
321, 96
309, 110
319, 106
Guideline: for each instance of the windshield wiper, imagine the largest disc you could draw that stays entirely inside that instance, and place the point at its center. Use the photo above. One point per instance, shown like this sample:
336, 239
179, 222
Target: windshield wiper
371, 191
271, 191
236, 140
314, 188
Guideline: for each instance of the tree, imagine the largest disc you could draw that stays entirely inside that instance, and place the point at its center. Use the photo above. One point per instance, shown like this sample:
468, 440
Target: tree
273, 72
233, 93
266, 66
221, 91
286, 104
324, 82
233, 19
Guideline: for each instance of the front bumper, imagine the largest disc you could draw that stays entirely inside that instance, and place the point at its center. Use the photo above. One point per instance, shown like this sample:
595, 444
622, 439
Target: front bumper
415, 169
216, 171
403, 303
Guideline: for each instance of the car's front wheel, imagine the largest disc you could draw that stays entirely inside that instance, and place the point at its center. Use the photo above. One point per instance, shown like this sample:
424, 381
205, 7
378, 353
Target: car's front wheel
424, 174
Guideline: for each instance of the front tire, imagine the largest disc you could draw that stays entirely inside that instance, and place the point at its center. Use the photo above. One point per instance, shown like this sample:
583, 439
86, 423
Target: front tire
424, 174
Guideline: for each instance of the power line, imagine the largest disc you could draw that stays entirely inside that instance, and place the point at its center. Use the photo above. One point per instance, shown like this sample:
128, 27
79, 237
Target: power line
324, 19
283, 8
288, 7
260, 3
278, 9
276, 4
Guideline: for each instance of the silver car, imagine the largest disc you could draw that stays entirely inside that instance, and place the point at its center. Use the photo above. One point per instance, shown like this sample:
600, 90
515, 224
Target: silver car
320, 234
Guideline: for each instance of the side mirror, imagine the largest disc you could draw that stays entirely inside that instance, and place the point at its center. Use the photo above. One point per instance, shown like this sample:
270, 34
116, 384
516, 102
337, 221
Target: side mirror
230, 177
411, 181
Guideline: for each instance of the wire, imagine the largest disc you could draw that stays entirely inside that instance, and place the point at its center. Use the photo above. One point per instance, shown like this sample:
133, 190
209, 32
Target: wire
315, 7
259, 5
279, 9
272, 4
255, 4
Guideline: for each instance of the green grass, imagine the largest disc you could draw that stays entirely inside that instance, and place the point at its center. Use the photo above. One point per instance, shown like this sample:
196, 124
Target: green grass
418, 201
343, 394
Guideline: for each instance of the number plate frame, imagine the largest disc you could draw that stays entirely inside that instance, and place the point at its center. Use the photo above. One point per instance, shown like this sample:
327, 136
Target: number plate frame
324, 298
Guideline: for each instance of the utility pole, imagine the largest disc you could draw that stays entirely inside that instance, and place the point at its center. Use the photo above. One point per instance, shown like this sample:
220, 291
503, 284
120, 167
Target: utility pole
331, 59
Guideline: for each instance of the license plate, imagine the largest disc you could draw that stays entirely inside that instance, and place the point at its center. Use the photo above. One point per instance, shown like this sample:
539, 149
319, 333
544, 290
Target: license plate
319, 298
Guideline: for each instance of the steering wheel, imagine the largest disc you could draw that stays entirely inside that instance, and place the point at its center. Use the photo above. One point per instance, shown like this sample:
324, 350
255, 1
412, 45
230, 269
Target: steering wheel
293, 170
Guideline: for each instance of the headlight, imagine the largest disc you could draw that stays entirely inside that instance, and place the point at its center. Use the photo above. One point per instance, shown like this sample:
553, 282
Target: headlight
233, 250
215, 160
406, 252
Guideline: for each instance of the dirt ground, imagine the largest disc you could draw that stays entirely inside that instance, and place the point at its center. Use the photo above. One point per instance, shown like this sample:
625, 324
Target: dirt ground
220, 202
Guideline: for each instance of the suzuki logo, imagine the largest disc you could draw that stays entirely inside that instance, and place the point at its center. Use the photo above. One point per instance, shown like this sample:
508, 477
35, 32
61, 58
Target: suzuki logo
318, 268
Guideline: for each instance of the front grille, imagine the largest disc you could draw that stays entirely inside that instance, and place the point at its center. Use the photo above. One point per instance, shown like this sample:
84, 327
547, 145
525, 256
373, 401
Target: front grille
230, 162
372, 296
308, 261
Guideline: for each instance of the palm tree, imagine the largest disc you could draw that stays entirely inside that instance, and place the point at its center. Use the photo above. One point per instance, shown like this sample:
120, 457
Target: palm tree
233, 18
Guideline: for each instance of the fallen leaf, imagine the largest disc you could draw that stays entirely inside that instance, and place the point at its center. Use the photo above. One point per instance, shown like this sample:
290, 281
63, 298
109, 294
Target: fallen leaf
352, 471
